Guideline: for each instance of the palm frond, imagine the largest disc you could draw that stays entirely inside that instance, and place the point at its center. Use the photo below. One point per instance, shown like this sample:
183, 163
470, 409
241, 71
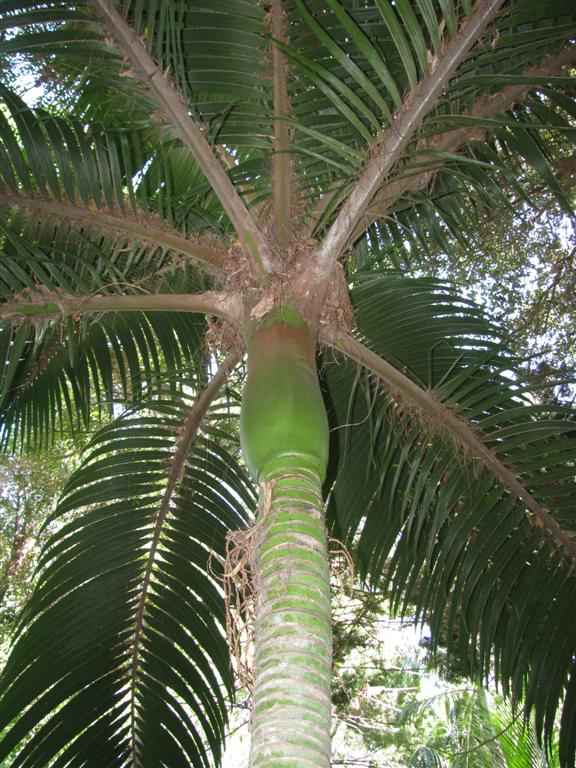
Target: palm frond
191, 132
136, 665
216, 56
480, 538
57, 371
468, 185
474, 103
349, 68
77, 225
57, 176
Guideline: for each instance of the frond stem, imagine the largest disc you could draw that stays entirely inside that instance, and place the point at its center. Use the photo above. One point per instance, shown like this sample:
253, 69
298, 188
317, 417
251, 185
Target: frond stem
414, 177
391, 142
191, 132
43, 303
207, 256
185, 442
283, 181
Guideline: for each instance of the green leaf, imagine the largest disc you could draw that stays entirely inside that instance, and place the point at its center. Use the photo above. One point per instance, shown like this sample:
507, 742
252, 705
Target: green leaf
436, 525
126, 629
399, 38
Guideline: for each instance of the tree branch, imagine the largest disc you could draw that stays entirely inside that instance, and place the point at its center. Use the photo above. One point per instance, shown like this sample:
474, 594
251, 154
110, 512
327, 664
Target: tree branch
208, 256
191, 133
460, 431
43, 303
185, 442
414, 178
390, 143
283, 180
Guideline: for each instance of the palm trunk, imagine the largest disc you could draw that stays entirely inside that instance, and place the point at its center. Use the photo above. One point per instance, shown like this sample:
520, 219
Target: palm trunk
291, 712
284, 440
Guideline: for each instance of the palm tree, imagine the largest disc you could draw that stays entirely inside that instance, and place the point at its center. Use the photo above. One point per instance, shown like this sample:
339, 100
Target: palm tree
203, 180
